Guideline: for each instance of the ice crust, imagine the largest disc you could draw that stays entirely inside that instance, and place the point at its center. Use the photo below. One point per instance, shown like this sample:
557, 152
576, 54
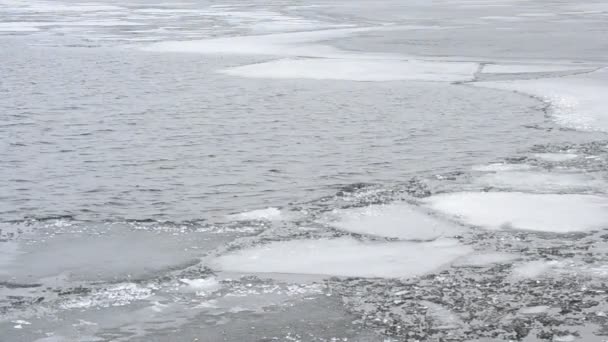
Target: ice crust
577, 102
559, 213
399, 220
555, 157
344, 257
502, 167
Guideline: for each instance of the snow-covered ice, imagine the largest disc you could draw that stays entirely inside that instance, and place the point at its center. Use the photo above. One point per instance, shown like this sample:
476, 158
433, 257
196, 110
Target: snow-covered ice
397, 220
344, 257
358, 70
560, 213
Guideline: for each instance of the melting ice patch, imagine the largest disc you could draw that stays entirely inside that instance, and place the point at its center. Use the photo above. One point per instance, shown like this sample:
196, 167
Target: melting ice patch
399, 220
484, 259
358, 70
560, 213
577, 102
555, 157
268, 214
537, 181
501, 167
344, 257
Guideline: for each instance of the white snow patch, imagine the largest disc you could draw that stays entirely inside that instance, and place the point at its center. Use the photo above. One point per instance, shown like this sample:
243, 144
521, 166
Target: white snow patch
344, 257
556, 157
358, 70
398, 220
268, 214
560, 213
577, 102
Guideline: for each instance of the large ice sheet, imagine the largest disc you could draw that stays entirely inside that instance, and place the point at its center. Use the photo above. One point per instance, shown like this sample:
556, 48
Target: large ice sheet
577, 102
344, 257
400, 220
358, 70
558, 213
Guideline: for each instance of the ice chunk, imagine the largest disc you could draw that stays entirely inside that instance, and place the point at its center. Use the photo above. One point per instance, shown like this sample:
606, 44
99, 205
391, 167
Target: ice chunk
534, 310
577, 102
555, 157
485, 259
344, 257
399, 220
268, 214
358, 70
530, 180
558, 213
202, 286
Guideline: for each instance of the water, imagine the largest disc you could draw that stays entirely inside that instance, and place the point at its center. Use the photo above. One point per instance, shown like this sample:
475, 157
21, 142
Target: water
149, 146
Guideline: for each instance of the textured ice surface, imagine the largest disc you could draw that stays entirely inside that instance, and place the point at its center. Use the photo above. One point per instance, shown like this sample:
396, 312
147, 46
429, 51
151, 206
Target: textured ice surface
537, 181
533, 269
484, 259
344, 257
524, 68
399, 220
577, 102
516, 210
268, 214
555, 157
358, 70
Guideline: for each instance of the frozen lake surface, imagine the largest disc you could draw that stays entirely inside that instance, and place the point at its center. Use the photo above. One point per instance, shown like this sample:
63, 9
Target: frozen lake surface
303, 170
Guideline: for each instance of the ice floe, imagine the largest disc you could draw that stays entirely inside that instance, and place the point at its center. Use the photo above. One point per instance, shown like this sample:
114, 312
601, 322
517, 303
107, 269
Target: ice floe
577, 102
560, 213
398, 220
358, 70
344, 257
